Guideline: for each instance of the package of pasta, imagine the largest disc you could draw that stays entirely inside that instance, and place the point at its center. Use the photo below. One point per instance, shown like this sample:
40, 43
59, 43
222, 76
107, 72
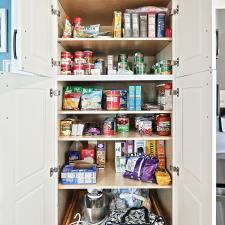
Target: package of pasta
162, 177
71, 97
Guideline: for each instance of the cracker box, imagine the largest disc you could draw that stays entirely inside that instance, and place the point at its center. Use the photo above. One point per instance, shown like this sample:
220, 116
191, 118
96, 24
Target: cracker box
101, 155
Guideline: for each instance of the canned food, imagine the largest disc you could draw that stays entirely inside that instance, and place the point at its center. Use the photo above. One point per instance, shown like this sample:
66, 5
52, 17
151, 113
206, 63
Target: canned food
88, 56
163, 122
123, 65
112, 100
78, 69
123, 58
87, 68
66, 58
138, 57
100, 64
66, 70
109, 127
165, 98
66, 127
122, 123
79, 57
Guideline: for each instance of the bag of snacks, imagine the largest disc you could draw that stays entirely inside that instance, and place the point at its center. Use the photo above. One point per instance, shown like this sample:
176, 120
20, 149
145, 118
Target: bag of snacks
71, 97
162, 177
91, 99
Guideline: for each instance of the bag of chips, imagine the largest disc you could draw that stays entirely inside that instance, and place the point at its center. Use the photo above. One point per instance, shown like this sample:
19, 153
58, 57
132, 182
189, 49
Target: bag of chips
71, 97
91, 99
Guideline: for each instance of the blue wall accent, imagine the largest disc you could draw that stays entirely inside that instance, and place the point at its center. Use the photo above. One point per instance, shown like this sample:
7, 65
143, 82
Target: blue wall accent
7, 5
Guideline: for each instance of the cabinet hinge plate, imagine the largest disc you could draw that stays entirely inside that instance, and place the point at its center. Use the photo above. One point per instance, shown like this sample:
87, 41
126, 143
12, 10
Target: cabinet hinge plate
176, 62
175, 169
54, 170
176, 92
55, 62
55, 11
54, 92
175, 11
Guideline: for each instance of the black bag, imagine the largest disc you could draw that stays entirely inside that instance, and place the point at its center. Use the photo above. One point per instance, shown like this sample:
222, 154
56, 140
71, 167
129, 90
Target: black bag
135, 216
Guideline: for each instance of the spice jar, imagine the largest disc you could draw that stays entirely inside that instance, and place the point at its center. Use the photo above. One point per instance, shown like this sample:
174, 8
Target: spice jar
77, 26
163, 122
88, 56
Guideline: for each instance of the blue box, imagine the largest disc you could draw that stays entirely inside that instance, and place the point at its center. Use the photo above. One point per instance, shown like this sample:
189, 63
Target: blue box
138, 98
131, 98
79, 173
161, 25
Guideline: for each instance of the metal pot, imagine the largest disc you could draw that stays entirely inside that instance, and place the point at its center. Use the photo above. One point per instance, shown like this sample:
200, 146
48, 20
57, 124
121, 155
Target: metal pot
94, 209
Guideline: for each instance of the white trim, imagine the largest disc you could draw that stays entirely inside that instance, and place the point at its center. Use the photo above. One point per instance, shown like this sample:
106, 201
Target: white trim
3, 30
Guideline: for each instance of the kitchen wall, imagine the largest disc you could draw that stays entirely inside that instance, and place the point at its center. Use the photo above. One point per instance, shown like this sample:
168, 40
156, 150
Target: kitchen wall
221, 70
7, 5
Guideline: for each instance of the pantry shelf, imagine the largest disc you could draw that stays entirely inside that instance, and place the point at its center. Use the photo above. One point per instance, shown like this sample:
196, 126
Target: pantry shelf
115, 78
66, 112
104, 46
132, 135
108, 178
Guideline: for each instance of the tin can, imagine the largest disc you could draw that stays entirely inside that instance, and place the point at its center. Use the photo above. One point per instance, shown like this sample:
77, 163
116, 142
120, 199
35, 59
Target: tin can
163, 122
88, 56
66, 70
122, 123
66, 58
112, 100
79, 57
87, 68
100, 64
122, 58
78, 69
138, 57
140, 68
109, 127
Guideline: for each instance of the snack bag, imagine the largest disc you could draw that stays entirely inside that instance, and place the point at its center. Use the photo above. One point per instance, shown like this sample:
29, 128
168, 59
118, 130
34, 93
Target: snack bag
71, 97
91, 99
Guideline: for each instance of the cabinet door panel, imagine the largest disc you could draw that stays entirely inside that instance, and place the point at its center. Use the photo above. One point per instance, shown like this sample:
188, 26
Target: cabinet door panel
195, 149
27, 149
193, 36
37, 36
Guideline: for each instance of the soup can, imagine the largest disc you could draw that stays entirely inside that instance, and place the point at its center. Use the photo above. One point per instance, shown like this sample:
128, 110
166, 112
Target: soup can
88, 56
78, 69
66, 70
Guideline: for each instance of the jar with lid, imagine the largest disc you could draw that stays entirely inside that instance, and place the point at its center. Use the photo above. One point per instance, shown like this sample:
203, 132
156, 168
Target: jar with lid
163, 122
122, 123
77, 26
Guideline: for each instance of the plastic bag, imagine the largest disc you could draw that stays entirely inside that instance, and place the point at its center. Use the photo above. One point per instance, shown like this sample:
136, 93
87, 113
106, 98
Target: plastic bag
91, 99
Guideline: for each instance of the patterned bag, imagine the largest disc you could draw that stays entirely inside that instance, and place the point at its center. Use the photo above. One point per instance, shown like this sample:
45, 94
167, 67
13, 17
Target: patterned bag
135, 216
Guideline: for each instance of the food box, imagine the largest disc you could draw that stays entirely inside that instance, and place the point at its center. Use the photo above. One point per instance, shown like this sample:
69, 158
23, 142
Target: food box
161, 154
72, 156
135, 25
140, 147
79, 173
127, 24
151, 148
101, 153
120, 164
161, 25
144, 25
132, 98
151, 25
138, 98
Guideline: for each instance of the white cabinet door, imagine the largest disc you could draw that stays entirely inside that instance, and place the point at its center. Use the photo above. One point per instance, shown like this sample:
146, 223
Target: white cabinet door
220, 4
27, 151
38, 36
195, 150
194, 26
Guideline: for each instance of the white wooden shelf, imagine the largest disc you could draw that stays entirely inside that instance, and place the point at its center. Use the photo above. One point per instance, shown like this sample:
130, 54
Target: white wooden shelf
132, 135
108, 178
105, 46
67, 112
114, 78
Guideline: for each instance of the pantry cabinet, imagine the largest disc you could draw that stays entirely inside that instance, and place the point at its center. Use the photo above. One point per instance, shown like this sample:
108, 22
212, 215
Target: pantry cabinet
31, 148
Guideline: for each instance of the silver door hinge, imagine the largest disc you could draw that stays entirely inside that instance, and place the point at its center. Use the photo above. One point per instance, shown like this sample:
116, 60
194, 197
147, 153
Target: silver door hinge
54, 92
176, 62
55, 62
176, 92
54, 170
175, 11
55, 11
175, 169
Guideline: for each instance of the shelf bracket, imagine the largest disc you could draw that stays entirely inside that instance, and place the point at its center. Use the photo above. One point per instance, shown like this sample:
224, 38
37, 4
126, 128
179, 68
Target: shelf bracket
54, 170
175, 11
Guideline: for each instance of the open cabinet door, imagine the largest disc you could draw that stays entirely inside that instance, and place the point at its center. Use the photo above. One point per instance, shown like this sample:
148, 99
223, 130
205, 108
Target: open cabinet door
195, 115
38, 33
27, 151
